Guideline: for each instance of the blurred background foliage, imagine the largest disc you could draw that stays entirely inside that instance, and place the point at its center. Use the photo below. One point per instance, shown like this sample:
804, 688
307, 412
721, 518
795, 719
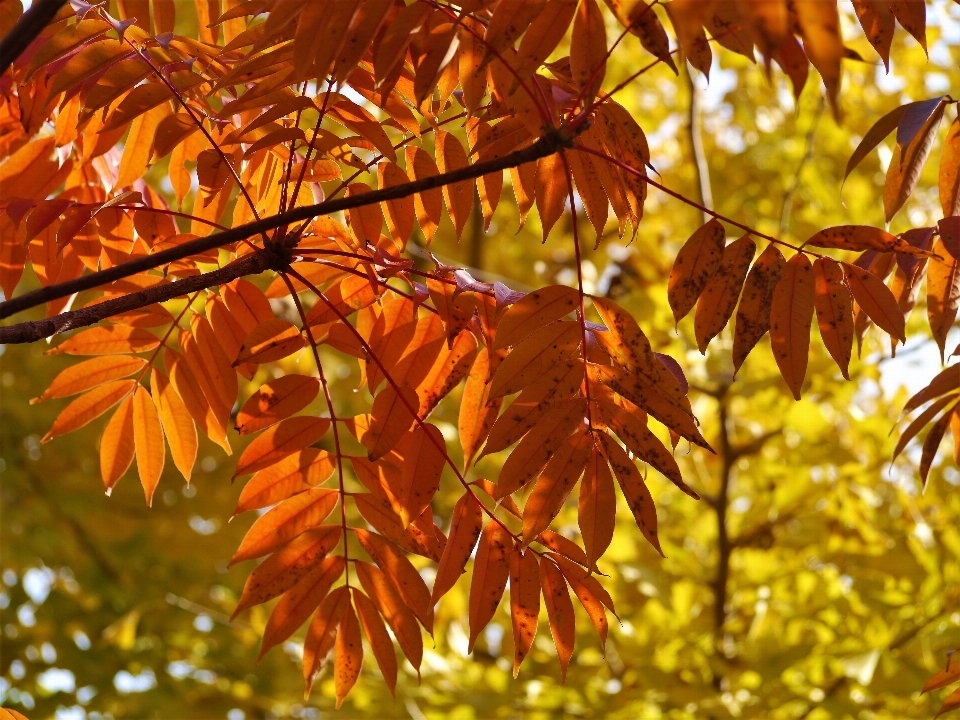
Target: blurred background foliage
813, 581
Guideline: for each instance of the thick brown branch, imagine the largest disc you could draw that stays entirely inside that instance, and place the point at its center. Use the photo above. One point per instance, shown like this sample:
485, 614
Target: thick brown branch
31, 331
28, 27
546, 145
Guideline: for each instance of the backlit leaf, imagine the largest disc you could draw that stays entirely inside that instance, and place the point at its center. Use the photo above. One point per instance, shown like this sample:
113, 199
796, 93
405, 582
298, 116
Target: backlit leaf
524, 603
834, 311
491, 570
719, 297
275, 401
876, 300
269, 341
276, 442
299, 601
556, 597
89, 406
148, 437
697, 262
791, 315
285, 521
284, 568
465, 527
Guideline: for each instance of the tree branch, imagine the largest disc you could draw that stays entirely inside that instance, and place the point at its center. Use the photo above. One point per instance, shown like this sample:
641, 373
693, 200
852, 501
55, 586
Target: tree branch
28, 27
554, 140
787, 208
28, 332
694, 127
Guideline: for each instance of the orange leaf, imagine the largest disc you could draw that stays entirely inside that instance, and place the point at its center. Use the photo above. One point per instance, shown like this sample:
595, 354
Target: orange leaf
863, 237
753, 315
551, 190
554, 485
196, 404
301, 600
395, 611
524, 180
563, 546
590, 593
379, 639
284, 568
949, 182
943, 294
135, 159
509, 21
583, 166
524, 603
429, 203
491, 569
697, 262
116, 445
561, 383
247, 303
148, 437
791, 314
301, 471
588, 55
945, 381
834, 311
535, 310
89, 406
720, 296
110, 340
626, 343
878, 25
819, 24
947, 676
456, 309
634, 489
379, 514
423, 461
672, 412
280, 440
465, 526
401, 572
459, 195
220, 372
285, 521
392, 332
912, 15
546, 31
932, 443
556, 597
950, 704
535, 356
597, 507
348, 655
351, 294
269, 341
322, 634
876, 300
89, 374
539, 445
633, 432
390, 420
400, 214
450, 367
276, 400
919, 423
